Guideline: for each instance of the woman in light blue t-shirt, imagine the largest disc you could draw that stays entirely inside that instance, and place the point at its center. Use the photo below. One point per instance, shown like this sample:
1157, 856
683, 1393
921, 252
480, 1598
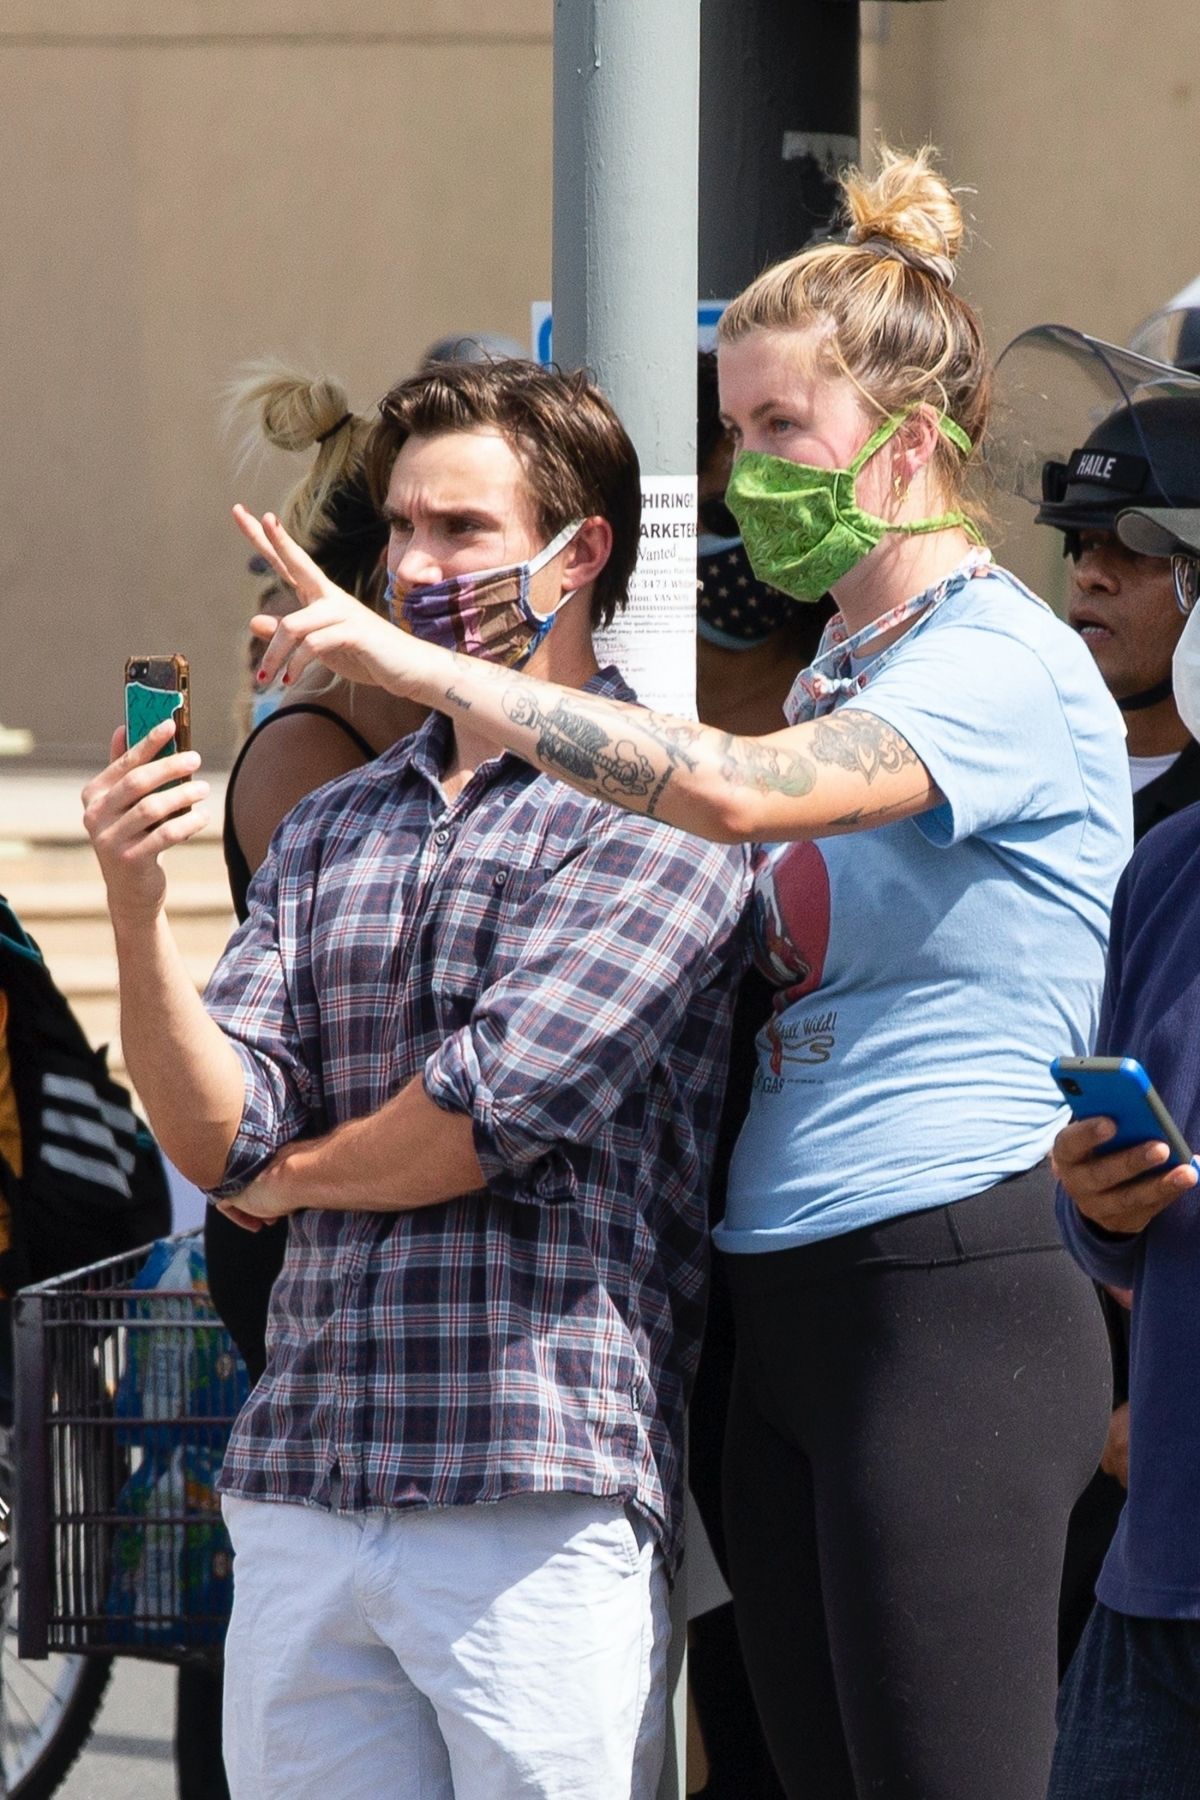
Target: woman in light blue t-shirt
922, 1382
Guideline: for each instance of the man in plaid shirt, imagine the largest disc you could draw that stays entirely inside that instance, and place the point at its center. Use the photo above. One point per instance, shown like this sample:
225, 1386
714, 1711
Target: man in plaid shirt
471, 1039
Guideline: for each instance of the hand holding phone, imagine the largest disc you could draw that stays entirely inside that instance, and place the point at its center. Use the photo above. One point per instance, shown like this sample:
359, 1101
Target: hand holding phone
138, 807
1118, 1088
1124, 1158
158, 688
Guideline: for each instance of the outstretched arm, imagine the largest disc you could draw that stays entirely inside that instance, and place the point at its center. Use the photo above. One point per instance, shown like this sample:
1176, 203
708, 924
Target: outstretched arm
838, 774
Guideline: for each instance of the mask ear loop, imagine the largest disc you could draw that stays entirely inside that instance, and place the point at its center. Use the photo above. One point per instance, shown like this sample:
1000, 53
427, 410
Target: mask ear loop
1185, 572
554, 548
955, 435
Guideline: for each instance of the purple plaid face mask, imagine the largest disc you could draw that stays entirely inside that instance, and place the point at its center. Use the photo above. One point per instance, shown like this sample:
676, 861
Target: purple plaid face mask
489, 614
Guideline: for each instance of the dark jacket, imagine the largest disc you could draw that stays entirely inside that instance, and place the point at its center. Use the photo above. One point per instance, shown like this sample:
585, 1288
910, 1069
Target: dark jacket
1169, 792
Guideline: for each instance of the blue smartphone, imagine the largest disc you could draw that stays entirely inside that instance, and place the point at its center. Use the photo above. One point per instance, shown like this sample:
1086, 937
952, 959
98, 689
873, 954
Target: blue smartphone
1118, 1088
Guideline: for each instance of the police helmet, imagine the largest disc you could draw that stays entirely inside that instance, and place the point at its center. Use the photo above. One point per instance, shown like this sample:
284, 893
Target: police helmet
1086, 430
1146, 454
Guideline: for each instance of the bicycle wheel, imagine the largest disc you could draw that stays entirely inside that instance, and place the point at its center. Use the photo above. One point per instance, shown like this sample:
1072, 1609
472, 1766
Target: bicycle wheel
47, 1708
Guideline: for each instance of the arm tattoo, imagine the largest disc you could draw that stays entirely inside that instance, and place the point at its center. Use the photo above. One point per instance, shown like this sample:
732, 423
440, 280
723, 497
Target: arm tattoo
861, 743
582, 748
863, 816
574, 737
675, 736
766, 768
457, 699
631, 755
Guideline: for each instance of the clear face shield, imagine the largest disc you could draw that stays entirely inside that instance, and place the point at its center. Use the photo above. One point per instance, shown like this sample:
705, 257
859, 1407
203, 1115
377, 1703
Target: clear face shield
1079, 427
1172, 335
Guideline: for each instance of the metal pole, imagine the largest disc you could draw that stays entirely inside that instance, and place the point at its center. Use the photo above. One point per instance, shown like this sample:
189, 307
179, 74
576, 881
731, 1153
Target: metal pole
626, 76
626, 136
779, 113
626, 104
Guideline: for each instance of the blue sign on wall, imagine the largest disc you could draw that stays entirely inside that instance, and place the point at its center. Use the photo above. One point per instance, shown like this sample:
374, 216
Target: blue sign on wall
541, 331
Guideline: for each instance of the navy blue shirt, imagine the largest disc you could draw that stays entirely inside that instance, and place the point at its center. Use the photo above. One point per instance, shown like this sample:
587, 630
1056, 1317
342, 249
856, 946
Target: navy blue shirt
1151, 1010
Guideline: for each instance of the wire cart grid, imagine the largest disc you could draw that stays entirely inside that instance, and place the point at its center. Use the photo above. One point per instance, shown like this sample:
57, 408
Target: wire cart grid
127, 1385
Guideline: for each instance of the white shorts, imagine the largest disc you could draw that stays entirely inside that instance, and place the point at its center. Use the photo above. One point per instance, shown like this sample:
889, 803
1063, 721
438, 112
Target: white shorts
454, 1653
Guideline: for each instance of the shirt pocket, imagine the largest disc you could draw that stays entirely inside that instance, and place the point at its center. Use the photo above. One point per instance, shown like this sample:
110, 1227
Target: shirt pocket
475, 933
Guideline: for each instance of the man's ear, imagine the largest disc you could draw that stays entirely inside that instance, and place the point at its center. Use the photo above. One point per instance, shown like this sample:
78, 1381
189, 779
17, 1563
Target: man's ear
586, 554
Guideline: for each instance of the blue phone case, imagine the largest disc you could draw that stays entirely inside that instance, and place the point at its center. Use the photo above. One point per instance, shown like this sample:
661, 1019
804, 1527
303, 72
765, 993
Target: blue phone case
1118, 1088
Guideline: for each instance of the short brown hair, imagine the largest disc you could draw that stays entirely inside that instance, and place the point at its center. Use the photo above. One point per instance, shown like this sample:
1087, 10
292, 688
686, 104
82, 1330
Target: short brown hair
577, 455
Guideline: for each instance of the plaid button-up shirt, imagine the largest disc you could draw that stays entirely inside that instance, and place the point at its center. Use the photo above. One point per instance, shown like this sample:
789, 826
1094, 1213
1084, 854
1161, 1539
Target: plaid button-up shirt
561, 972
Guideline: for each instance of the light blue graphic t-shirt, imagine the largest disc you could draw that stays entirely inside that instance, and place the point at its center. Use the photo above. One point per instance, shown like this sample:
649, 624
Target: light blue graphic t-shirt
928, 971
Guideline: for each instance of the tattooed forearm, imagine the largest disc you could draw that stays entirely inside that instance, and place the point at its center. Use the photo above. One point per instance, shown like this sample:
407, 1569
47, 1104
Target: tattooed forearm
793, 783
580, 747
861, 743
766, 768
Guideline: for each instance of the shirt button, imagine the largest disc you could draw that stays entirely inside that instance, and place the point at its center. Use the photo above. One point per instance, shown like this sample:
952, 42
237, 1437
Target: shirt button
501, 877
441, 835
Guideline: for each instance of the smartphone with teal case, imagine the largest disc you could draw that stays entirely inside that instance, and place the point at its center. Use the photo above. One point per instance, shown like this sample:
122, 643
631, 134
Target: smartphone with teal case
1118, 1088
158, 688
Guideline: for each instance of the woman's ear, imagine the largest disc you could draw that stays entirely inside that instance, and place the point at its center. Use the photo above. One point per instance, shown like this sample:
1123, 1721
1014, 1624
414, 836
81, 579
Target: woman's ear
586, 554
915, 443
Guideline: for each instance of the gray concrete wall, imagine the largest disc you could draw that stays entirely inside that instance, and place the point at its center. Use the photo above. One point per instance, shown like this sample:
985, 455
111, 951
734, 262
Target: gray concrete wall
187, 186
1077, 122
189, 183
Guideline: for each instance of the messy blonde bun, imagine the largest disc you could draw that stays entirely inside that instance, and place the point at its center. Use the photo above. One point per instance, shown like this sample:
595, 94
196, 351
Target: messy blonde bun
907, 210
883, 298
269, 401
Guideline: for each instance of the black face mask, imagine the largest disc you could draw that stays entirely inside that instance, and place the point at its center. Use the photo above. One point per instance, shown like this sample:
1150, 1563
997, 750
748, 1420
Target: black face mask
733, 608
717, 520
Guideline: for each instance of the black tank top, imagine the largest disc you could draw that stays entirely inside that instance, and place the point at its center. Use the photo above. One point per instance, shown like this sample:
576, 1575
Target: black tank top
236, 865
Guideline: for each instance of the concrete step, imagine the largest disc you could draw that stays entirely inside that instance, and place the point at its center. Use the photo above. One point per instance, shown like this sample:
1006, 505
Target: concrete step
89, 977
35, 865
70, 918
80, 899
39, 809
98, 1015
90, 984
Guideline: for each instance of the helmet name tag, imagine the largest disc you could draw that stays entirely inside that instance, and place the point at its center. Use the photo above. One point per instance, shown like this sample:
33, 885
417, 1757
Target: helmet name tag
1108, 469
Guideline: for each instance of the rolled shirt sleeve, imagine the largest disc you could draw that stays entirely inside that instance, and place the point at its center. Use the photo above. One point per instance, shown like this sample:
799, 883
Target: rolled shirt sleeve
616, 946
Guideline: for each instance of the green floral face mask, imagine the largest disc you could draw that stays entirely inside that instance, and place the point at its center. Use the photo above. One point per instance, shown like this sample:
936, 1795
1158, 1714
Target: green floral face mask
803, 527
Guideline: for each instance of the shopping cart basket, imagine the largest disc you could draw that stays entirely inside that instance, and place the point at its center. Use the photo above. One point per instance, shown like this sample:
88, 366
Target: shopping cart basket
126, 1392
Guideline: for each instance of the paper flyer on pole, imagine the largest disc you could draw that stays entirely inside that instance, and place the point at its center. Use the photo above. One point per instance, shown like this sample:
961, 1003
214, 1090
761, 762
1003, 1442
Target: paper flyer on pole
653, 642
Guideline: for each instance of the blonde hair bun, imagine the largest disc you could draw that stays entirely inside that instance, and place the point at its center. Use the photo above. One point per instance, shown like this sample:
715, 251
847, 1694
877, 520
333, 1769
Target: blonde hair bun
272, 402
906, 210
290, 408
